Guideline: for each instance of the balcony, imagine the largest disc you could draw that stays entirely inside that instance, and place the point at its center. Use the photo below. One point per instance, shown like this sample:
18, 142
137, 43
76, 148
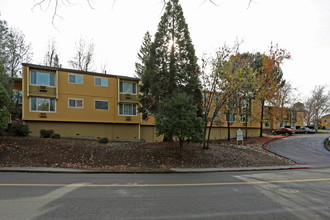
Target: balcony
128, 98
42, 91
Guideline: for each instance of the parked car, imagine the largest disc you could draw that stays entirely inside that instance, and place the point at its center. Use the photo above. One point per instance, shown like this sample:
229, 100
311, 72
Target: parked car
284, 131
312, 128
304, 130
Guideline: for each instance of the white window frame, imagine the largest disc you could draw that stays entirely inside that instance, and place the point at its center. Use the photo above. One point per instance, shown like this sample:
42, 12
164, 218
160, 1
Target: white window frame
39, 84
102, 79
37, 98
231, 115
123, 104
243, 116
101, 108
82, 103
75, 82
122, 92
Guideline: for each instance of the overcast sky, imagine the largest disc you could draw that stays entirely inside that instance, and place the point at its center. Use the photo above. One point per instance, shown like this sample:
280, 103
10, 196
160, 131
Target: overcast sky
300, 26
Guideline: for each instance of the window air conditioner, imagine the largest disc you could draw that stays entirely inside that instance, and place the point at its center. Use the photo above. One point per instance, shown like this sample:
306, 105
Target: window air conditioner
43, 89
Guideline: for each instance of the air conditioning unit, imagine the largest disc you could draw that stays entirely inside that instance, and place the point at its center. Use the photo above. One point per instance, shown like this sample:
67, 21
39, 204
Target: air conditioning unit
128, 96
43, 89
43, 115
128, 118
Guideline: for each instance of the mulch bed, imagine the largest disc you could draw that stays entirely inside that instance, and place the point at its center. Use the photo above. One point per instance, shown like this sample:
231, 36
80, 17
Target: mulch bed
133, 157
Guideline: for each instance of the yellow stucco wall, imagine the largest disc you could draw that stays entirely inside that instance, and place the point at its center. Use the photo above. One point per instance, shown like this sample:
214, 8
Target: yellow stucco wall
88, 92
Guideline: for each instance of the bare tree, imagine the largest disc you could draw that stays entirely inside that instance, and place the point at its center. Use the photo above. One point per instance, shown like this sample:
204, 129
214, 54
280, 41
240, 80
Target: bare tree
282, 101
56, 4
18, 51
83, 60
104, 66
51, 56
317, 105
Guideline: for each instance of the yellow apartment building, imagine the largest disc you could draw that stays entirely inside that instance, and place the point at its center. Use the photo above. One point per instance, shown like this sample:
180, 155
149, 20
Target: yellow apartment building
276, 118
89, 105
325, 122
83, 104
243, 113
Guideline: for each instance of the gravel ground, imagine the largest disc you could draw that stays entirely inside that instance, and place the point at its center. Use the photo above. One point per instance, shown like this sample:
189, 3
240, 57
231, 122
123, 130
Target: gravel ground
133, 157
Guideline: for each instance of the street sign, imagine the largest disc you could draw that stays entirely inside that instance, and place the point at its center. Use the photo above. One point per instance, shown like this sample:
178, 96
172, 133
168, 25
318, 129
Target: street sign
239, 135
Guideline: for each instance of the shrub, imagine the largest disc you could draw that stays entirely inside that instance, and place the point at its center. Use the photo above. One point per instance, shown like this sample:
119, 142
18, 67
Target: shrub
46, 133
103, 140
56, 136
20, 130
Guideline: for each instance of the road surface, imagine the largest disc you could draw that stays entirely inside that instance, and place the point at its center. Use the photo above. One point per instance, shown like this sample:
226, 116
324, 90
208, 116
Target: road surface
303, 149
290, 194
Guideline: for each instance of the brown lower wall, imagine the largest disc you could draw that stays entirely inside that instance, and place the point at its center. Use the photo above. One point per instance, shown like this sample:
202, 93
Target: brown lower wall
120, 131
87, 130
222, 133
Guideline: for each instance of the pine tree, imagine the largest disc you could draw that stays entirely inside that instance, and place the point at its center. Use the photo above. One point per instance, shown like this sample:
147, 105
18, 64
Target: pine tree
143, 55
172, 65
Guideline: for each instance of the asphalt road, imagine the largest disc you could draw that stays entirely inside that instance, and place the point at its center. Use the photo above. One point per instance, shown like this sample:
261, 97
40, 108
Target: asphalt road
303, 149
290, 194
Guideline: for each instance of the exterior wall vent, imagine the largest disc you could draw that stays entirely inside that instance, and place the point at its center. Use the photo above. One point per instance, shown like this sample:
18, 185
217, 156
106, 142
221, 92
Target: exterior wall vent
43, 89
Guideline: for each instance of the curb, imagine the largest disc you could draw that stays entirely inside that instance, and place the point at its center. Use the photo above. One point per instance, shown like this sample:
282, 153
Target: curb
172, 170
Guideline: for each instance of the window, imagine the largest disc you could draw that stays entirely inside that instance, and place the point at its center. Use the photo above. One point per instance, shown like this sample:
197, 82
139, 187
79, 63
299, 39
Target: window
76, 79
101, 81
38, 104
230, 118
267, 123
127, 87
127, 109
245, 104
42, 78
75, 103
245, 118
101, 105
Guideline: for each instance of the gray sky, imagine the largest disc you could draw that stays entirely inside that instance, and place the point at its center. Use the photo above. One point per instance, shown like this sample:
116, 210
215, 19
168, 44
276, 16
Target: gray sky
300, 26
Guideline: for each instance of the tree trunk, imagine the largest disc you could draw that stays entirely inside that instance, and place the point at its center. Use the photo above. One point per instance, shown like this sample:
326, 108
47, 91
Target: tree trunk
168, 138
204, 132
209, 135
181, 146
262, 116
228, 127
246, 124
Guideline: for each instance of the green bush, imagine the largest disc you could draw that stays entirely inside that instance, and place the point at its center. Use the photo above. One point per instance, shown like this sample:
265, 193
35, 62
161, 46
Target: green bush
56, 136
46, 133
20, 130
103, 140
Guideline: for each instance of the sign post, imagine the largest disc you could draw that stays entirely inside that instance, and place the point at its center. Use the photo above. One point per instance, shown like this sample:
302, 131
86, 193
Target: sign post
240, 136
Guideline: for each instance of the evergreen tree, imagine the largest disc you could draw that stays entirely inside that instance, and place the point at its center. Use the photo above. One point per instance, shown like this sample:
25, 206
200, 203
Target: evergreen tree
172, 65
4, 113
3, 59
143, 55
177, 117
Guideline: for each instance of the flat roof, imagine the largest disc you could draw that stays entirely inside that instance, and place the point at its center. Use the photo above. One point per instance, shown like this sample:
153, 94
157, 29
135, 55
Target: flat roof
41, 67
